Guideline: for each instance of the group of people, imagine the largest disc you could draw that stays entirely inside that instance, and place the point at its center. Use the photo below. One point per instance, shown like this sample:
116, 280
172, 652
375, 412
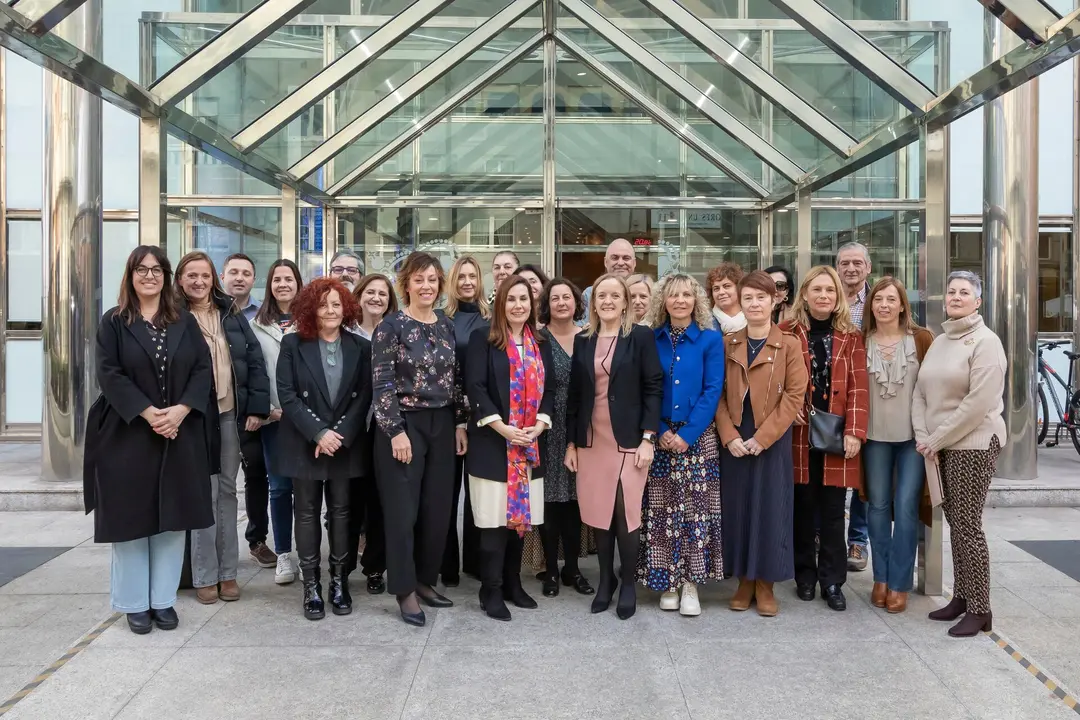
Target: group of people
702, 431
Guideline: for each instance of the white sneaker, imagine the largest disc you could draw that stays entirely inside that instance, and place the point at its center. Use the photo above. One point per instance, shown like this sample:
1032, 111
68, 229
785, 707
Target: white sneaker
669, 600
286, 571
689, 604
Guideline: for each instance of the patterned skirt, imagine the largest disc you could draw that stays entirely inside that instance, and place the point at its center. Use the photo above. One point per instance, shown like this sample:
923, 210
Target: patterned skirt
681, 533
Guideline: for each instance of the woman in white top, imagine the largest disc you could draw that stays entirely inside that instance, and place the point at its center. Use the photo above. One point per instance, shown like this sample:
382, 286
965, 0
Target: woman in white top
273, 320
377, 300
722, 285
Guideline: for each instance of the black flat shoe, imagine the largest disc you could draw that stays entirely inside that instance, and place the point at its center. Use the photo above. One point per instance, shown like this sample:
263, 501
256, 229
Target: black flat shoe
805, 592
435, 600
165, 619
579, 583
834, 598
451, 581
140, 623
550, 585
376, 585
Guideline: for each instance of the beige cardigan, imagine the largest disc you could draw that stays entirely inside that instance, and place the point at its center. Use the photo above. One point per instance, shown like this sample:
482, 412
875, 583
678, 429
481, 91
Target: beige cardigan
958, 397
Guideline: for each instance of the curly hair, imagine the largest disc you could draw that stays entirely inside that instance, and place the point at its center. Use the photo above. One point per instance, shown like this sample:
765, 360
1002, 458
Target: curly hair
657, 316
724, 271
544, 313
305, 308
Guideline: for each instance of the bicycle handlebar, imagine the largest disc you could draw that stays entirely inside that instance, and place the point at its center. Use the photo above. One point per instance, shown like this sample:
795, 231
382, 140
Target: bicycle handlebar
1050, 345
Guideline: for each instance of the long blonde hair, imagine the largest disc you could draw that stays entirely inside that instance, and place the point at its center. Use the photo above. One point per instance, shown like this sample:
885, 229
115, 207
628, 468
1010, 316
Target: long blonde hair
451, 288
594, 317
657, 315
841, 313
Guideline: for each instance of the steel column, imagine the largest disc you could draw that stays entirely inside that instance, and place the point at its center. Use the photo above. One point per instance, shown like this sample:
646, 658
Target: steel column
1011, 233
804, 236
289, 236
71, 220
934, 266
549, 219
153, 182
1031, 20
43, 15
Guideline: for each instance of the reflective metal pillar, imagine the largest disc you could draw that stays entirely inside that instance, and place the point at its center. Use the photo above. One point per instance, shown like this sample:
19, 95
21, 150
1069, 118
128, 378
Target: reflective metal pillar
153, 183
804, 237
71, 225
548, 227
1011, 232
288, 224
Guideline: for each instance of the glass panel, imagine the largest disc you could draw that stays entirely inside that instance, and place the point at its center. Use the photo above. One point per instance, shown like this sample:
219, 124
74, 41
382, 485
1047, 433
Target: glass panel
1056, 283
491, 144
222, 231
119, 238
847, 9
786, 239
24, 274
704, 9
662, 246
385, 236
209, 176
175, 41
311, 242
24, 377
23, 106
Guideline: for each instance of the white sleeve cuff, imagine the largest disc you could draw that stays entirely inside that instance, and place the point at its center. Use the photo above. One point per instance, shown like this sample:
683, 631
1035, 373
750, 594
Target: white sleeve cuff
487, 421
544, 418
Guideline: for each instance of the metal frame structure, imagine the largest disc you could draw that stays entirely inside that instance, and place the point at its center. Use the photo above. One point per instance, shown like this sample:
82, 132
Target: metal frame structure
1032, 20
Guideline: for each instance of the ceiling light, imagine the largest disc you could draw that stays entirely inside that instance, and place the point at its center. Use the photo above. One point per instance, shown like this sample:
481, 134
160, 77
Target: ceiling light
581, 74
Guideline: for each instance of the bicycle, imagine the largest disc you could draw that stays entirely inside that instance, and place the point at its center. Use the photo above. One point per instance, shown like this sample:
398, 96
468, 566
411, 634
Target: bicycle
1069, 418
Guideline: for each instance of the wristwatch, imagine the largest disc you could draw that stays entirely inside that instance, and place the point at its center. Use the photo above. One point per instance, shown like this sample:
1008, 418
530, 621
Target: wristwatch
650, 436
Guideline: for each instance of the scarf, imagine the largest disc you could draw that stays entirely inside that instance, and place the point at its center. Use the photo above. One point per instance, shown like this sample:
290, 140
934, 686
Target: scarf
526, 389
729, 323
208, 317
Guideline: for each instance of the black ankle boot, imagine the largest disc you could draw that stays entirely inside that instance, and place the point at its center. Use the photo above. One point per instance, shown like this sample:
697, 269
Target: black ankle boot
340, 599
973, 624
313, 602
957, 606
493, 603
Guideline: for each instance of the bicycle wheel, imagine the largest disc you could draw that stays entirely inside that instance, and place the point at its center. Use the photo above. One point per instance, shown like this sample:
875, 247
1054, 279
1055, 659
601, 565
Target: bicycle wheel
1074, 417
1043, 416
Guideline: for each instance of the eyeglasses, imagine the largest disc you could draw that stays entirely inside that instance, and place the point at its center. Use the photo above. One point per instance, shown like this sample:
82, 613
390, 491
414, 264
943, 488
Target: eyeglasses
143, 271
342, 270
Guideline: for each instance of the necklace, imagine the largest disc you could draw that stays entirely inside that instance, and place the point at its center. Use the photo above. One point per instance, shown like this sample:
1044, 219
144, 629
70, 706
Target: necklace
331, 352
756, 348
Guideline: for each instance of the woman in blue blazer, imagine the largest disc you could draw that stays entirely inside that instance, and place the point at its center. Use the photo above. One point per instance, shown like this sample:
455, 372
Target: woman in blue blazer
681, 519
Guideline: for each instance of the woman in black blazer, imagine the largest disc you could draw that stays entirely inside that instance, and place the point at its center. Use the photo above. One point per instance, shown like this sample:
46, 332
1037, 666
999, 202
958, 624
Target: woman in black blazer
611, 443
507, 381
146, 468
324, 385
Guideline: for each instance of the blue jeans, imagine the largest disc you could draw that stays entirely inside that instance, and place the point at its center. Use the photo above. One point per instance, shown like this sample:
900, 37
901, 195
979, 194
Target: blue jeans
894, 483
281, 504
146, 572
857, 532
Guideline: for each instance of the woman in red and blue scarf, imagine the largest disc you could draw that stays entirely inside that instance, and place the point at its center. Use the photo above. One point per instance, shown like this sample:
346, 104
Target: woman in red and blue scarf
506, 369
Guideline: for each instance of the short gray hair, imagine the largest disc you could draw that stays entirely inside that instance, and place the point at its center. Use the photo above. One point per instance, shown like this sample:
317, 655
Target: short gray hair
348, 253
853, 246
966, 276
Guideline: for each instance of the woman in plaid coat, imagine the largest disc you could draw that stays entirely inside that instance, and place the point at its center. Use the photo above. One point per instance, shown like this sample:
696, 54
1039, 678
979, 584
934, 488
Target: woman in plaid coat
836, 361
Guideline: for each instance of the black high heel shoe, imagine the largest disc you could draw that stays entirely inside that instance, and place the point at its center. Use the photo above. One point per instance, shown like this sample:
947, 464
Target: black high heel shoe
435, 600
627, 605
416, 619
604, 593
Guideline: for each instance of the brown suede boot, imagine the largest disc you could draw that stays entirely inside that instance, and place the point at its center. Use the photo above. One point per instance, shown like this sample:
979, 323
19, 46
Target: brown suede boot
879, 594
229, 591
766, 601
207, 595
742, 598
896, 602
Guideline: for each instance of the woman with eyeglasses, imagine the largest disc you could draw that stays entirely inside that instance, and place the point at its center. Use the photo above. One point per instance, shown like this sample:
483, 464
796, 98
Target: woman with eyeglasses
469, 310
784, 301
242, 399
272, 321
146, 472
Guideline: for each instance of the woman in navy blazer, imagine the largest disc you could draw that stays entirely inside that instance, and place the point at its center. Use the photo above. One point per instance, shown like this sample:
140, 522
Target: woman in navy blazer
681, 518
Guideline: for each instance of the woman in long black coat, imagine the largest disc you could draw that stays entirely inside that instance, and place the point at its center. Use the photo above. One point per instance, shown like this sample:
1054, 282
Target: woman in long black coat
324, 386
147, 465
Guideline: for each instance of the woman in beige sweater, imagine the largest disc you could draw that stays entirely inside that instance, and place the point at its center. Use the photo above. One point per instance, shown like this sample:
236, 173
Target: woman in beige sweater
956, 413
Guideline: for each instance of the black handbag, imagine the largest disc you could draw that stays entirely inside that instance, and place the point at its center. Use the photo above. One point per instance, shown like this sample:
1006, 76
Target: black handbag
826, 432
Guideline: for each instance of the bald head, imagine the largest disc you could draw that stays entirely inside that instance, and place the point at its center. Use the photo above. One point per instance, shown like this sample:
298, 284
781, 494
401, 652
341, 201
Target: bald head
619, 258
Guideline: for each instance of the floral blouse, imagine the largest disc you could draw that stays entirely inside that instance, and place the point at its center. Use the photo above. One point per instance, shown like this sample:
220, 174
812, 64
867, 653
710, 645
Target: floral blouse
415, 368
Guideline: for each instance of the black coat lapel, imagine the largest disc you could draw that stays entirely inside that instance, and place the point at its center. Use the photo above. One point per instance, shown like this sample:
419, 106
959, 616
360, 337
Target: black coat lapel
500, 365
350, 356
309, 352
590, 357
622, 351
173, 336
142, 335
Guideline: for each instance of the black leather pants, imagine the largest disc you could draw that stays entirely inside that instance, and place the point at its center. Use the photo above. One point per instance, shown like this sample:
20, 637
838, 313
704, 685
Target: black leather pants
307, 502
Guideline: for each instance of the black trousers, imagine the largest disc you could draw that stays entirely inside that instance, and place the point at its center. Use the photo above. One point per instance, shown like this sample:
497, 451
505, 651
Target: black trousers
562, 521
821, 508
469, 559
500, 558
307, 502
256, 487
366, 514
416, 498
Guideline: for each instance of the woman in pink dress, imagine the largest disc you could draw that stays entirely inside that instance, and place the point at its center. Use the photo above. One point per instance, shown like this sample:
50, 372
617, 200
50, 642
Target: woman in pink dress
612, 416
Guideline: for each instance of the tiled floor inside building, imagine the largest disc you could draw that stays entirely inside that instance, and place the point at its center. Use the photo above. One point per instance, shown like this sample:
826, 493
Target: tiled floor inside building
259, 658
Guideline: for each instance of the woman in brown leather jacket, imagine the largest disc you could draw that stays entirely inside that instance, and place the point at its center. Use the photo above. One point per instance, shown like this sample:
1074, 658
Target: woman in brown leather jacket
764, 389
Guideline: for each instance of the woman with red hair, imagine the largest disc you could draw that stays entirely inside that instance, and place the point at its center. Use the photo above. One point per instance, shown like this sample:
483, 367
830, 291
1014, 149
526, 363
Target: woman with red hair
324, 386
